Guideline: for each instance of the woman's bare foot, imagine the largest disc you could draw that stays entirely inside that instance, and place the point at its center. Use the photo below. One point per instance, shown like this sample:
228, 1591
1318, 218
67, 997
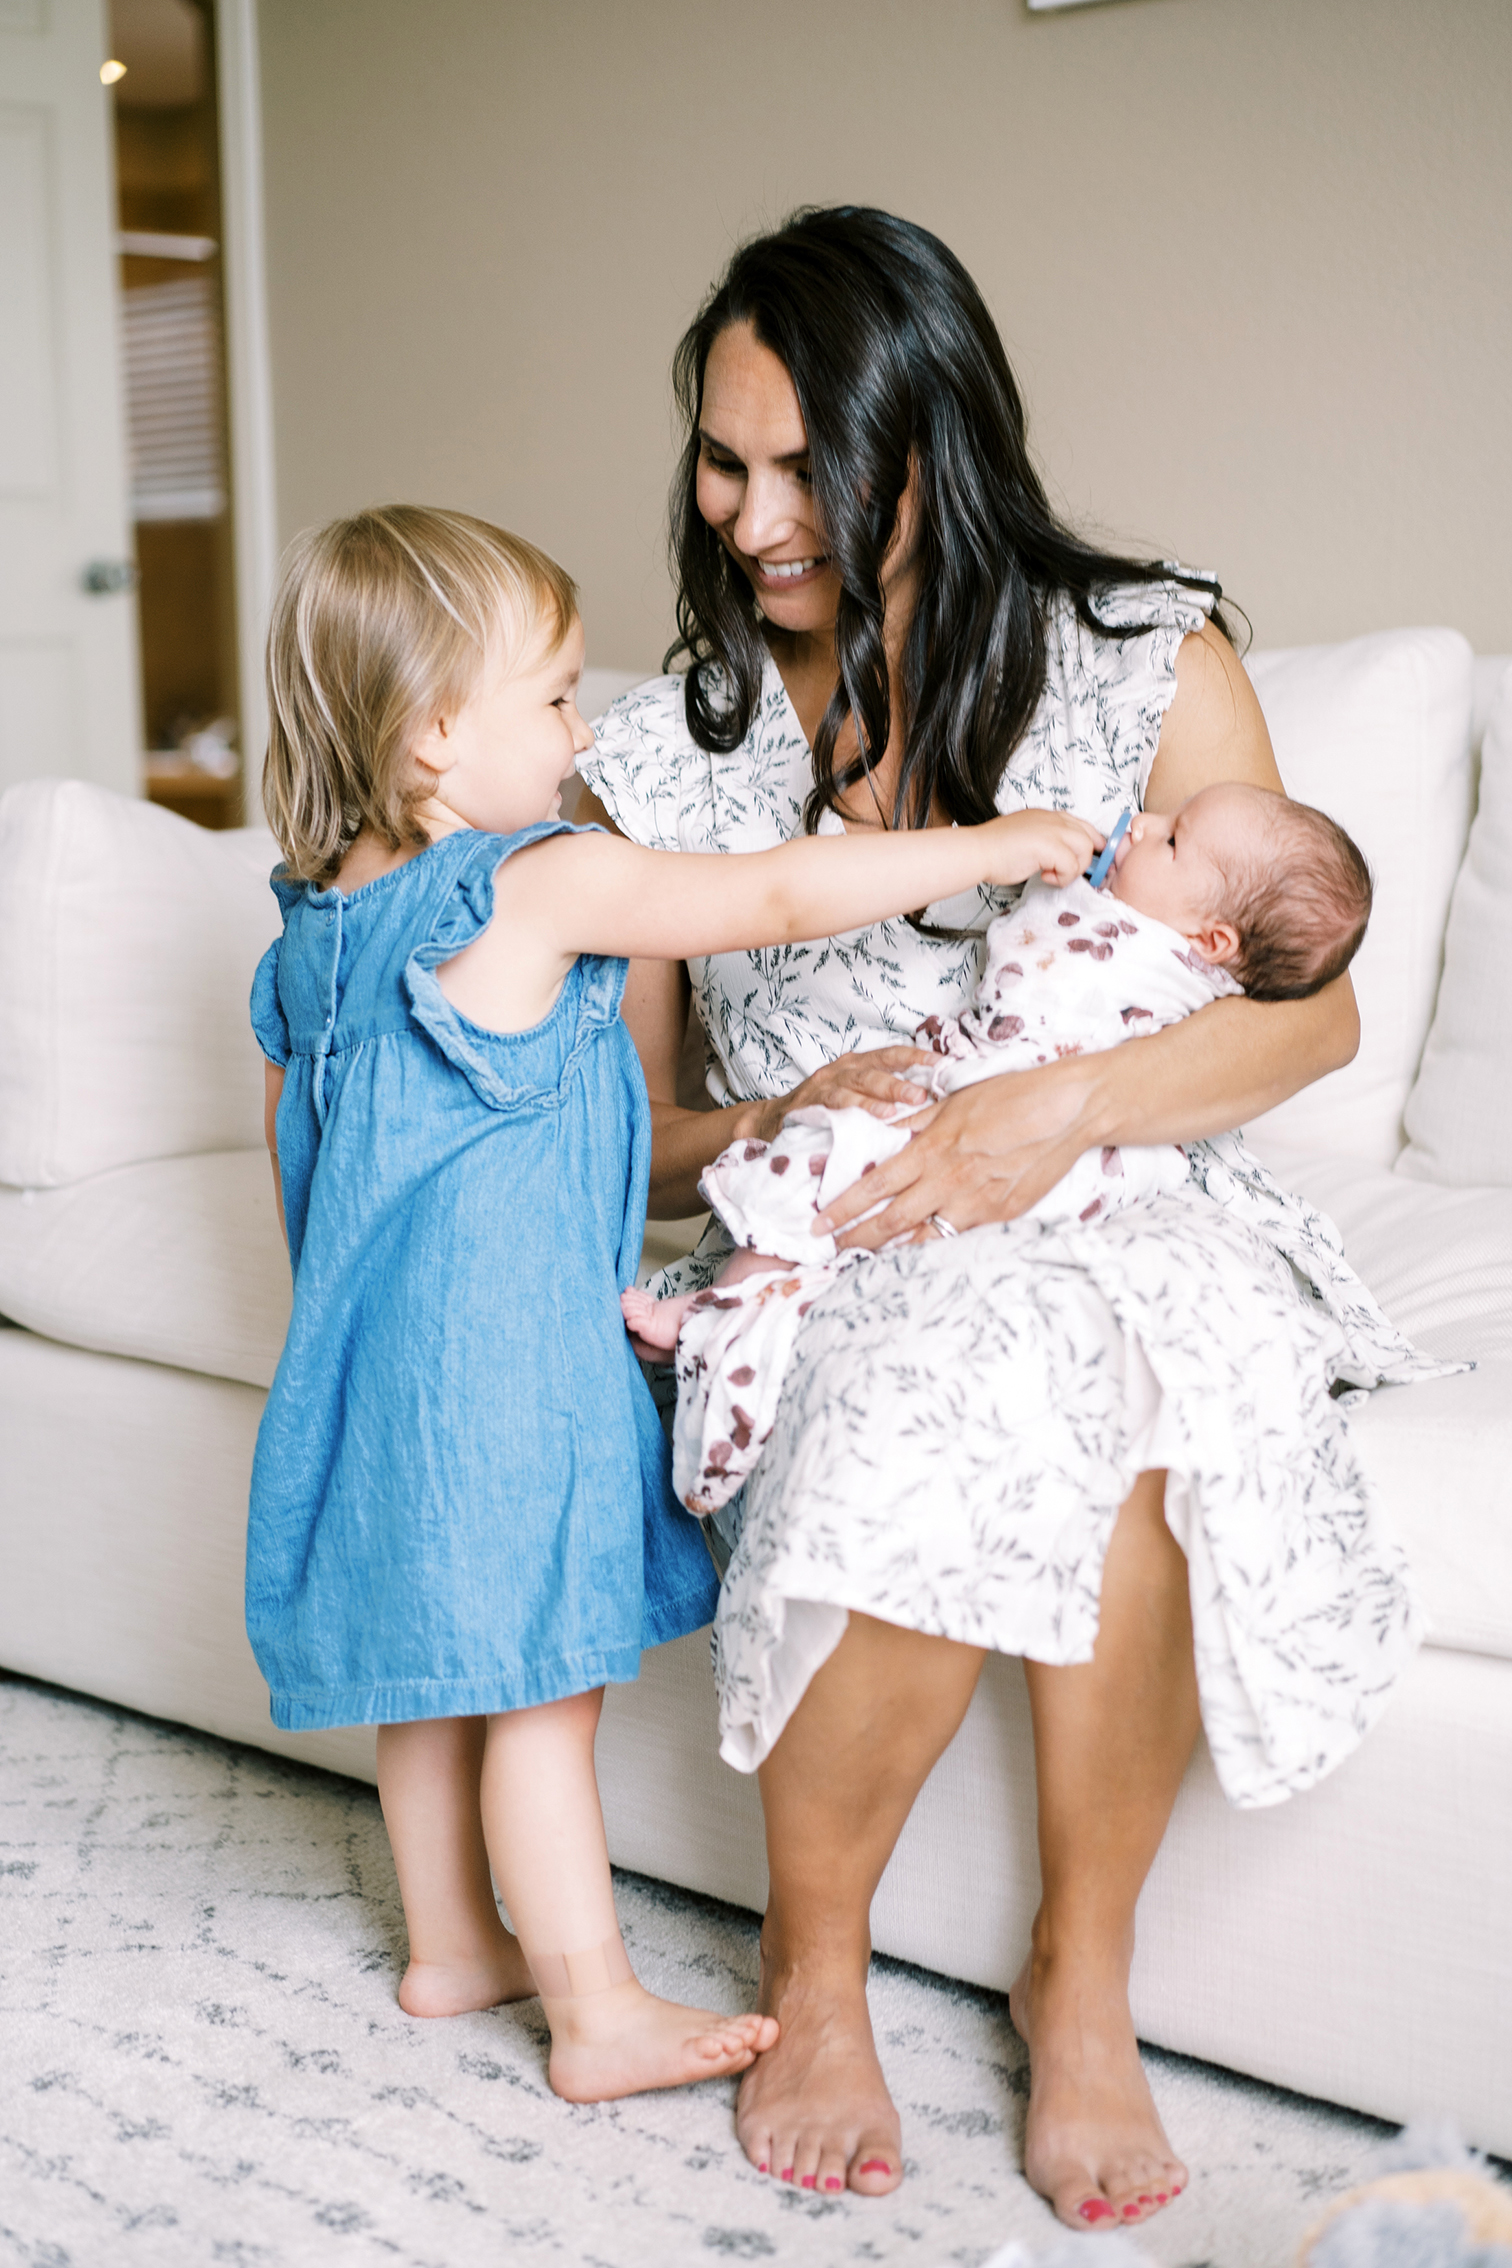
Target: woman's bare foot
816, 2110
1094, 2145
625, 2041
652, 1322
453, 1988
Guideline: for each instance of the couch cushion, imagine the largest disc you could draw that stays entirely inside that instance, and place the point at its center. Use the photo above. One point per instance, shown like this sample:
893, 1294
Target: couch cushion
1440, 1262
128, 938
1440, 1454
1460, 1111
178, 1262
1377, 733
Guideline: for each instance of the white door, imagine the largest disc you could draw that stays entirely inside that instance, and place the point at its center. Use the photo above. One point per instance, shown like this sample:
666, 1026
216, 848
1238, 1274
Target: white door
69, 698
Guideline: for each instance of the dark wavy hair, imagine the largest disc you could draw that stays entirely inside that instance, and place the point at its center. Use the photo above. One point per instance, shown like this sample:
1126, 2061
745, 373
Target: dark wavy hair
895, 361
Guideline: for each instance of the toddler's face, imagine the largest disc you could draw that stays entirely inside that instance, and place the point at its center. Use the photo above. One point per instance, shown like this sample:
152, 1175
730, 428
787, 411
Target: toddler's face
504, 755
1171, 865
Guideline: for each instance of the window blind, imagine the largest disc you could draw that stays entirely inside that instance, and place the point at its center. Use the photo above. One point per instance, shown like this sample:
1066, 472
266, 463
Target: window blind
173, 400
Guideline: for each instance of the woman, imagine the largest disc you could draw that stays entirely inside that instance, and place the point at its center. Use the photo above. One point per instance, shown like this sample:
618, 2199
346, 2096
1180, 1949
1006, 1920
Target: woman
885, 625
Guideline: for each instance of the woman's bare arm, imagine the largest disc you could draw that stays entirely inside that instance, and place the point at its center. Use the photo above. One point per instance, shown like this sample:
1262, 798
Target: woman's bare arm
991, 1151
683, 1142
656, 1005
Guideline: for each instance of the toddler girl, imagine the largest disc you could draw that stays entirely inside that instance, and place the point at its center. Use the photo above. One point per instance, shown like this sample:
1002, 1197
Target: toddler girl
1240, 891
461, 1523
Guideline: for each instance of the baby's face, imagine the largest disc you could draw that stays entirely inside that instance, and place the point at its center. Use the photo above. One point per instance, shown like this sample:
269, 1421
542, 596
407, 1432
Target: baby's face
1172, 866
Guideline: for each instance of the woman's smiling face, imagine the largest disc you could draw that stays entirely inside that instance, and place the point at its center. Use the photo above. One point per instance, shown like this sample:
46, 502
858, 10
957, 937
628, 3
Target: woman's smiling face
754, 490
753, 482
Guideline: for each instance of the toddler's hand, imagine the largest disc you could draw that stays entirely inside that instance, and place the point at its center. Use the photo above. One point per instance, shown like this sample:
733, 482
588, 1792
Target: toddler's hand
1051, 843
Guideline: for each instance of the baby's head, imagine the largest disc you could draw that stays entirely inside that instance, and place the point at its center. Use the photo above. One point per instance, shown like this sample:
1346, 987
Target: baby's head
1273, 891
415, 654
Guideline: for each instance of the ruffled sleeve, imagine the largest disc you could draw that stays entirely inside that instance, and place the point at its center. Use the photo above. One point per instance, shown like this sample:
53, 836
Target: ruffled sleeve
268, 1021
505, 1069
1133, 677
641, 745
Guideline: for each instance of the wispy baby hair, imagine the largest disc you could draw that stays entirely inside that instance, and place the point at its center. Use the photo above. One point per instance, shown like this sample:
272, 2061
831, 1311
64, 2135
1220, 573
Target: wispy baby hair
381, 623
1301, 908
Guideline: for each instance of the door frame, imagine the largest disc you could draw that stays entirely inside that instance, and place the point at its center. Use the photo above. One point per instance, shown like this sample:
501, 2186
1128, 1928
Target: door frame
249, 369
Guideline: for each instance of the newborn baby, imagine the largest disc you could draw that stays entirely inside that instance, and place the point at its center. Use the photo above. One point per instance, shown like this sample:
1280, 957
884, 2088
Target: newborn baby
1240, 891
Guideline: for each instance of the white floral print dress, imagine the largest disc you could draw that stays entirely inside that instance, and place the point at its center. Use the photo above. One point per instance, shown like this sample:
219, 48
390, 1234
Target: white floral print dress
961, 1420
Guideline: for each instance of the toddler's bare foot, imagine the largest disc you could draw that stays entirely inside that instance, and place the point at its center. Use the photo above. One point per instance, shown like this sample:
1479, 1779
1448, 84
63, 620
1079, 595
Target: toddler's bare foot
453, 1988
1094, 2145
625, 2041
655, 1322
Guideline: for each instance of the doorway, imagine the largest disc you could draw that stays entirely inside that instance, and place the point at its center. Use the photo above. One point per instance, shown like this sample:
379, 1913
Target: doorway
168, 174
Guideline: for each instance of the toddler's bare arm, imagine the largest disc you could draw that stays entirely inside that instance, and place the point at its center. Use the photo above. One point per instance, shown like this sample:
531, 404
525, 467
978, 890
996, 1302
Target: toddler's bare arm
591, 893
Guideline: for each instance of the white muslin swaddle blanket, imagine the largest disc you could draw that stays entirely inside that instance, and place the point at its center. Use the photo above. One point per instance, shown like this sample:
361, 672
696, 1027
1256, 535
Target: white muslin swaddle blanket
1068, 972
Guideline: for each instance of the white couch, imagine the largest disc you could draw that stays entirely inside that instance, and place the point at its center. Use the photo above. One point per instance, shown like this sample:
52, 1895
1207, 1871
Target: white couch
1353, 1943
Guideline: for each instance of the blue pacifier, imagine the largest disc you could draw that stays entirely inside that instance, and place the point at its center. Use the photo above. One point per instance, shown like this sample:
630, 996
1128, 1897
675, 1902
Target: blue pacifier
1102, 865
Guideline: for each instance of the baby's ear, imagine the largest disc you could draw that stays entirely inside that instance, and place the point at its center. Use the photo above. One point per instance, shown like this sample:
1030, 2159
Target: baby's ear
1216, 942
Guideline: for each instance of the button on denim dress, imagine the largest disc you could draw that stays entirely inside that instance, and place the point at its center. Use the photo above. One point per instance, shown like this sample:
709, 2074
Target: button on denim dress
461, 1498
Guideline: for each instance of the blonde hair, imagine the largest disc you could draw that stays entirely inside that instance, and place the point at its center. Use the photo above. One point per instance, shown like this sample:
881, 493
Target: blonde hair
380, 623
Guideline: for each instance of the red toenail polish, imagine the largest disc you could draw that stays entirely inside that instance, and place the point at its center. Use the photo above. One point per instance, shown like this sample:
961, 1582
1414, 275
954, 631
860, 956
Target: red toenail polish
1131, 2212
809, 2181
1146, 2200
832, 2182
874, 2165
762, 2167
1095, 2210
787, 2173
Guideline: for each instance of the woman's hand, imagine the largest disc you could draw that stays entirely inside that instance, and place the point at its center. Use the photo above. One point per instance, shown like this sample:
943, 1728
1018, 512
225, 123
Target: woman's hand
876, 1080
986, 1153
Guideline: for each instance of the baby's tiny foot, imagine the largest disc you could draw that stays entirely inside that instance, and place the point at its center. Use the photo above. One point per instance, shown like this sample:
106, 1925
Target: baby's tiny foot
654, 1321
454, 1988
626, 2041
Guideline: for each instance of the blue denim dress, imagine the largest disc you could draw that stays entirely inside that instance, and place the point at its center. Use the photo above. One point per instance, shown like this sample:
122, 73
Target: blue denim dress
461, 1499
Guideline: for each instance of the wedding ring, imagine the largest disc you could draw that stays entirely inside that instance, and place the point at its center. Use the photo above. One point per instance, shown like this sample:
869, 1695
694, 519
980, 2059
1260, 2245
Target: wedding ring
938, 1221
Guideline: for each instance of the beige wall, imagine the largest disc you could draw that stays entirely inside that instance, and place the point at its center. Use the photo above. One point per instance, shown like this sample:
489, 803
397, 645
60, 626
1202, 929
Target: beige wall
1252, 258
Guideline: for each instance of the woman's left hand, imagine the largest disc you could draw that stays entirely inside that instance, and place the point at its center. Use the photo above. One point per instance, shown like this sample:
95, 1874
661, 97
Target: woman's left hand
986, 1153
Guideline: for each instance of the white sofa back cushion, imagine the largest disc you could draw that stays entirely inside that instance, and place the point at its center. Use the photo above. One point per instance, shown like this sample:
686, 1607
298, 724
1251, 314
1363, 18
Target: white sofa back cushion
179, 1261
128, 938
1377, 734
1460, 1112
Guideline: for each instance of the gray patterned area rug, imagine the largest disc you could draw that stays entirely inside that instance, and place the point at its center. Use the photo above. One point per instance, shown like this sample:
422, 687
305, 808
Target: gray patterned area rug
203, 2061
